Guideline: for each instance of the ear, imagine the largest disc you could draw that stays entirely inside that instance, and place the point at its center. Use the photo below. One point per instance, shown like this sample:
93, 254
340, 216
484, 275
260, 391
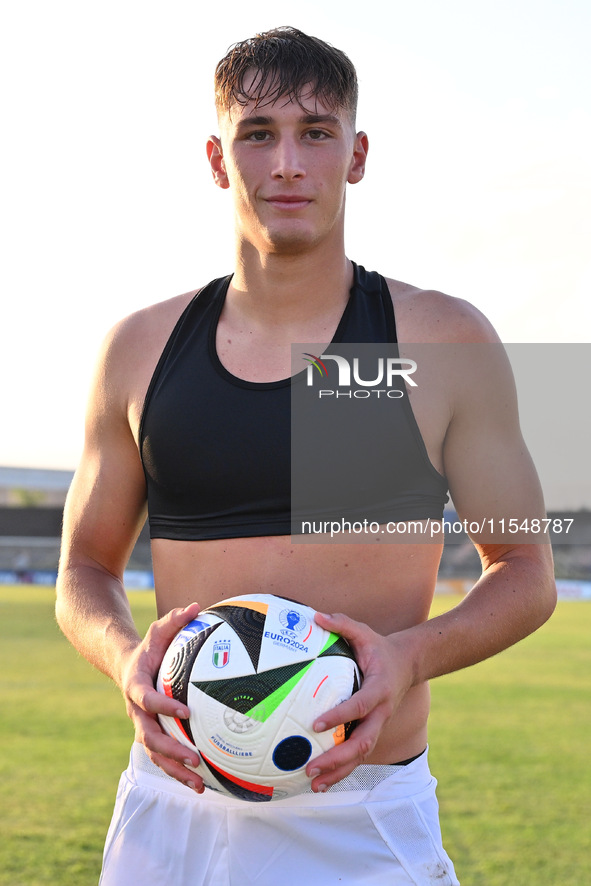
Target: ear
215, 155
360, 149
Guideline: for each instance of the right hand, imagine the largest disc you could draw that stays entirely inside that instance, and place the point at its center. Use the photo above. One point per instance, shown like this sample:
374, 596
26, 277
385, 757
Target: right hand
144, 702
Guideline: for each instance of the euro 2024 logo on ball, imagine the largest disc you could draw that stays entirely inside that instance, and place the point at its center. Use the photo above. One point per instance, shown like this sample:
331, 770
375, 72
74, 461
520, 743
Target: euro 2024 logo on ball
294, 633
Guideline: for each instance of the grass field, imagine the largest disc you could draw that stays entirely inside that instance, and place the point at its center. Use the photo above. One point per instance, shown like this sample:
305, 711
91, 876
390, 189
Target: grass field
509, 744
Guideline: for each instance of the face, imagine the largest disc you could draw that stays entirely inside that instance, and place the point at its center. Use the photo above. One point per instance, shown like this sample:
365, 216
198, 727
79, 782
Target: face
288, 167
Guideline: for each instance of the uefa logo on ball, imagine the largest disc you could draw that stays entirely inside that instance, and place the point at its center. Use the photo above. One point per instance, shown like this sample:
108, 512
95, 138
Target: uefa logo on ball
293, 622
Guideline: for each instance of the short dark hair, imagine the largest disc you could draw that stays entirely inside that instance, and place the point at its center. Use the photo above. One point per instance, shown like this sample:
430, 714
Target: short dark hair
286, 62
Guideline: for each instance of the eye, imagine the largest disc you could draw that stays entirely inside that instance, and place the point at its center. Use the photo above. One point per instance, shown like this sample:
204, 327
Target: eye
258, 135
316, 134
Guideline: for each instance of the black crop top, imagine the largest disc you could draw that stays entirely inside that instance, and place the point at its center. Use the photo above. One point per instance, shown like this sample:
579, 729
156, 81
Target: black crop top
216, 449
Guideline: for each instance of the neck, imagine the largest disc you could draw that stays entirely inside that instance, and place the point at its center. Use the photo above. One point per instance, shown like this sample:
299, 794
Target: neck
288, 289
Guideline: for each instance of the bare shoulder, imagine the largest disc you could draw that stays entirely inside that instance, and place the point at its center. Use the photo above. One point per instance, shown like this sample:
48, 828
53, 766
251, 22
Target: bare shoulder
129, 354
426, 315
147, 329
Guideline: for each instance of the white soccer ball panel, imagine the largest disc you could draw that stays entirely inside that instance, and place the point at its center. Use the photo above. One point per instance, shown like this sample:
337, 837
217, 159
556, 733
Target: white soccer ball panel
251, 671
222, 655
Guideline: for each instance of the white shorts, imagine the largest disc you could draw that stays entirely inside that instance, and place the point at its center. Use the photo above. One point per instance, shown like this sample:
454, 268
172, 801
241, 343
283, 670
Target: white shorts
379, 827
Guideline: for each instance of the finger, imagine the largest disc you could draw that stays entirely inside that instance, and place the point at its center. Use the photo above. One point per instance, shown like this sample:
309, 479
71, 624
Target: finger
162, 632
140, 673
171, 753
358, 635
340, 761
339, 624
179, 766
180, 773
325, 773
326, 780
358, 706
154, 702
182, 615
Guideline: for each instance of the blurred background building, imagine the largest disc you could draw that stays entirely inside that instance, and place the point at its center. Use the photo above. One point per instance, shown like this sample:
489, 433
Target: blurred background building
32, 502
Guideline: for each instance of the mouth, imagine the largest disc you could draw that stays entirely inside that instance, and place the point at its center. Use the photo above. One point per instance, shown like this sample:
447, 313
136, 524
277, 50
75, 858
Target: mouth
288, 202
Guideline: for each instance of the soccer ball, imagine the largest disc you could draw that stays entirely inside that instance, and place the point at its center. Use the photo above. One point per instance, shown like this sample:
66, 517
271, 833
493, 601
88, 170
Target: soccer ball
255, 672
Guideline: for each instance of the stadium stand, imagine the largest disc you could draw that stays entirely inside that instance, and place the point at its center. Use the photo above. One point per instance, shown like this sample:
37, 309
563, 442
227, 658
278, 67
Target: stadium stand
31, 506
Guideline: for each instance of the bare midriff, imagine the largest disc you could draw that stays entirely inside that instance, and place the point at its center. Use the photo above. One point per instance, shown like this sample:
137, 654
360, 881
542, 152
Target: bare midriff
388, 586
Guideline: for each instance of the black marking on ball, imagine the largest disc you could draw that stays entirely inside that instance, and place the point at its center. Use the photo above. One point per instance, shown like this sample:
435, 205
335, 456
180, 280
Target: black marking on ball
248, 624
234, 788
339, 647
179, 671
349, 727
292, 753
182, 663
244, 693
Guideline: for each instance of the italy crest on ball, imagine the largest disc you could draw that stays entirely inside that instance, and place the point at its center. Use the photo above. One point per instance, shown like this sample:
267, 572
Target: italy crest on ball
255, 672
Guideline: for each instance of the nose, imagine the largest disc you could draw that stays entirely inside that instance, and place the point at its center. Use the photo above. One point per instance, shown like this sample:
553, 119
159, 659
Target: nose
288, 161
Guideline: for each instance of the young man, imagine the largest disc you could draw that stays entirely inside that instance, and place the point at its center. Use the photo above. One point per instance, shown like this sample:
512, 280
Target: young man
179, 391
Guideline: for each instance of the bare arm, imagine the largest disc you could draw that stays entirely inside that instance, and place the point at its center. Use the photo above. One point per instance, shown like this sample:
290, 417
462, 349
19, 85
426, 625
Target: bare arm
491, 476
492, 479
104, 513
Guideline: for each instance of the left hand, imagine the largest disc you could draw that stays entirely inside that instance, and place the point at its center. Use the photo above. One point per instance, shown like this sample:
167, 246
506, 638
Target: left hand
386, 679
144, 702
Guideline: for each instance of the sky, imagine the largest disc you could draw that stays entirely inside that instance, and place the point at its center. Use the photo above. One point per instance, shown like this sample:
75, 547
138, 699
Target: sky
478, 180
